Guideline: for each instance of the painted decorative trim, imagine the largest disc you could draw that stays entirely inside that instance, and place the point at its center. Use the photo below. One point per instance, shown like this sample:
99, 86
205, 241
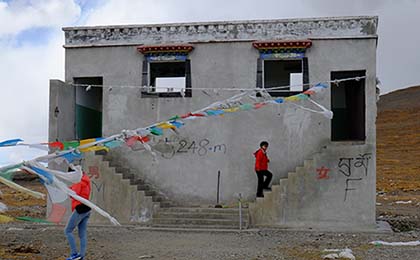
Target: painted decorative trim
336, 27
166, 52
282, 49
282, 45
290, 55
162, 49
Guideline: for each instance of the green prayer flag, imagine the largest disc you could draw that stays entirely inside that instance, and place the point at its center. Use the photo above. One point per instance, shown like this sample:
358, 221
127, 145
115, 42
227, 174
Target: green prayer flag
174, 118
8, 173
70, 144
246, 106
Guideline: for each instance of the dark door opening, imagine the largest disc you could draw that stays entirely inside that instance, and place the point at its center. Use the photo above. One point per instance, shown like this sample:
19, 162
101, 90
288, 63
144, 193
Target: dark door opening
88, 108
348, 106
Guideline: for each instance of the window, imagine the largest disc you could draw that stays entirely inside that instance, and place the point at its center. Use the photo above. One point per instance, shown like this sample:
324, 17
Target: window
348, 106
166, 70
167, 79
282, 64
278, 73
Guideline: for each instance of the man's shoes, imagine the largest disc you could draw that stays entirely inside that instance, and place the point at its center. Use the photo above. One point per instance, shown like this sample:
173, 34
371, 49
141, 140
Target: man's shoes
267, 189
260, 196
75, 257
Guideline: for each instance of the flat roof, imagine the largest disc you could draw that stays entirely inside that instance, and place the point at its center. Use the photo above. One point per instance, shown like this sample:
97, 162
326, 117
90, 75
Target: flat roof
213, 31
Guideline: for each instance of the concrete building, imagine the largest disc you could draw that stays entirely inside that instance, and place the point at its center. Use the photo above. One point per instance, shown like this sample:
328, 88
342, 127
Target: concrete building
324, 170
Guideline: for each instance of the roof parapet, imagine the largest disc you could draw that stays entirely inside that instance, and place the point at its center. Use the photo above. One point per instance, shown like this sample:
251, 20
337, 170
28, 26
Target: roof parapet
252, 30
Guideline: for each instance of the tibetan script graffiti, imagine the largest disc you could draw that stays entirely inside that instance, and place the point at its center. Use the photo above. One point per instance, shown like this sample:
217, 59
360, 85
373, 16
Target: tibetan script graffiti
348, 165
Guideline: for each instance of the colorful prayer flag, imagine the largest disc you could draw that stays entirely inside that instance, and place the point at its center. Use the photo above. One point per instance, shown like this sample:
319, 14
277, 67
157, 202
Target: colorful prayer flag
212, 112
156, 130
70, 144
177, 124
246, 106
113, 144
58, 145
165, 125
70, 157
11, 142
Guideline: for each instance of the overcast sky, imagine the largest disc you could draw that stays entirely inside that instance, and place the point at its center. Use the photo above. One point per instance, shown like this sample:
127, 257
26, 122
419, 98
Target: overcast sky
31, 44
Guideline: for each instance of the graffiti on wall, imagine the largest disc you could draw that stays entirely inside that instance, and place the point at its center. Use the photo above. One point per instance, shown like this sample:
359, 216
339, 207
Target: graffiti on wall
350, 167
97, 186
171, 146
354, 169
93, 172
323, 173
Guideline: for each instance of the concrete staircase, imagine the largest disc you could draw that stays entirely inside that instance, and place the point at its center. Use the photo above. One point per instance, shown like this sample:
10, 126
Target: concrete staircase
285, 202
200, 218
166, 214
135, 179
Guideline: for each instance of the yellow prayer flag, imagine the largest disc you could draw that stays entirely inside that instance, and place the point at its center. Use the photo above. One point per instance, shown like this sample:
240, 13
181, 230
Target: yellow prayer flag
292, 98
92, 148
231, 110
165, 125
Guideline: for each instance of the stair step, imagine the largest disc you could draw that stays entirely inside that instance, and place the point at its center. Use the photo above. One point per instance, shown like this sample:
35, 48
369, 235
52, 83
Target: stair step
166, 204
150, 192
207, 210
128, 175
157, 198
140, 185
113, 163
101, 152
122, 170
213, 227
200, 215
199, 221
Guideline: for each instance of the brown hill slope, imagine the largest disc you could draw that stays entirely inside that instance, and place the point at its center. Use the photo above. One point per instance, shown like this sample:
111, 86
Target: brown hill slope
398, 158
398, 140
403, 99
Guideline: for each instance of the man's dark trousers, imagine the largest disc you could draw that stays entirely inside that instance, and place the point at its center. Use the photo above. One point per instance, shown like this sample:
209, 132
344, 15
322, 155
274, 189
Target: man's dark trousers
263, 184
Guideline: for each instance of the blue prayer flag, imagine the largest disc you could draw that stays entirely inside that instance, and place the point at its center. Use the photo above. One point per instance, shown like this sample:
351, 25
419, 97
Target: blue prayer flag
11, 142
43, 173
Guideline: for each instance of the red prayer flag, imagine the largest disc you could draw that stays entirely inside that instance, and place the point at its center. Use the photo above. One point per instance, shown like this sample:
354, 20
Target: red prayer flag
59, 145
57, 213
259, 105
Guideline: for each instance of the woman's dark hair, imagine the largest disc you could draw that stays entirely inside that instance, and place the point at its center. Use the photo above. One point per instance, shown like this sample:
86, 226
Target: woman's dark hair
263, 143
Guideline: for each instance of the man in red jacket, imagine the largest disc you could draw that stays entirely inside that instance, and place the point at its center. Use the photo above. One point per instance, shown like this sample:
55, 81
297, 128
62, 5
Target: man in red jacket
261, 168
79, 218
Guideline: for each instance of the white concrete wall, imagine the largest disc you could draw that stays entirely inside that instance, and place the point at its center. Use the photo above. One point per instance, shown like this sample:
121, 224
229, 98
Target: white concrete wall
293, 134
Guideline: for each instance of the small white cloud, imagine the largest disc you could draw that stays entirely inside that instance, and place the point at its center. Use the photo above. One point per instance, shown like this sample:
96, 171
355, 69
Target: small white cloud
17, 16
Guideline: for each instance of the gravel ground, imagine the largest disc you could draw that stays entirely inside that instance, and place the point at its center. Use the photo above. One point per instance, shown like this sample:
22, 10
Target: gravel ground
129, 242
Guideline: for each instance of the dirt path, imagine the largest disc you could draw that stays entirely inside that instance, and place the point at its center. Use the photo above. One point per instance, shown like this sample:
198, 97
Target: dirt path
48, 242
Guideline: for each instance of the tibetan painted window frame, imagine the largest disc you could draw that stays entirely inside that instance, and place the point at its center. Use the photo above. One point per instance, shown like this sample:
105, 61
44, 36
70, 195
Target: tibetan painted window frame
168, 54
282, 50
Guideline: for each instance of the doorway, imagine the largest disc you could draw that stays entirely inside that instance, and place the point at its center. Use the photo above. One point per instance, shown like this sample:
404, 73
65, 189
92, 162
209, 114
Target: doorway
88, 107
348, 106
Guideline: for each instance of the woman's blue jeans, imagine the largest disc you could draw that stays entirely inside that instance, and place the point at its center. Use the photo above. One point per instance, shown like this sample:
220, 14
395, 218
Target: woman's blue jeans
80, 221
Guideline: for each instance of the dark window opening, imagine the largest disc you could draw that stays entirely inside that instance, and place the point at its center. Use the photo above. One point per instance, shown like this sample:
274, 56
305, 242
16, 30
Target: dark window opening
167, 79
281, 73
348, 106
88, 107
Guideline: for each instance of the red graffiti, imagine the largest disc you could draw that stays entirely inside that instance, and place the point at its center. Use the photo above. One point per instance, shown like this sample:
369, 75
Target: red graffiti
323, 173
94, 172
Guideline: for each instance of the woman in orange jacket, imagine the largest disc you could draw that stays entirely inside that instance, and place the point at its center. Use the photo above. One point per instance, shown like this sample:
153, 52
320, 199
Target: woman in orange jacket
261, 168
79, 218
